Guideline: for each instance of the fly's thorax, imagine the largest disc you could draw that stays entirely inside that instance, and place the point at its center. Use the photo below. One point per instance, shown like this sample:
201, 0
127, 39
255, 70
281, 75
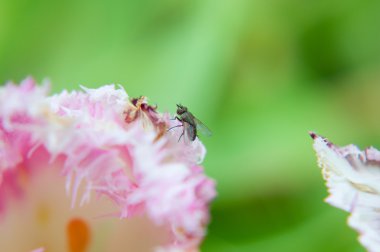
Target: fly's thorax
189, 118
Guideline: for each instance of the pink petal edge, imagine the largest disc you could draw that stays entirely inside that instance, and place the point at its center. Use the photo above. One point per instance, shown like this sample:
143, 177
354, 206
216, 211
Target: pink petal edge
123, 161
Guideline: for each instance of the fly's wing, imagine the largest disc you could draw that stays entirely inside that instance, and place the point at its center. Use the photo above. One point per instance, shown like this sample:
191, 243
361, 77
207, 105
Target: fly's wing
202, 128
191, 131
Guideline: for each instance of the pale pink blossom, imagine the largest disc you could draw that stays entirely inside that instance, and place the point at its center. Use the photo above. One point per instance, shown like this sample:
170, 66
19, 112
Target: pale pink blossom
97, 165
353, 180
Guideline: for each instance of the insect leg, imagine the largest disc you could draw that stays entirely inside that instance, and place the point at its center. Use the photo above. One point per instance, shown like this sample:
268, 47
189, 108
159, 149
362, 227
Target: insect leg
175, 127
181, 135
176, 118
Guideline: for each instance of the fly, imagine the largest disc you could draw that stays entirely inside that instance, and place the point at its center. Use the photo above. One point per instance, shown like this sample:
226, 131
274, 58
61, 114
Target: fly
191, 125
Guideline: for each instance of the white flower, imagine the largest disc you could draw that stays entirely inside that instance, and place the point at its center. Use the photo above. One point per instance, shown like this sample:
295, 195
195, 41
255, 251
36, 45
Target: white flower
353, 180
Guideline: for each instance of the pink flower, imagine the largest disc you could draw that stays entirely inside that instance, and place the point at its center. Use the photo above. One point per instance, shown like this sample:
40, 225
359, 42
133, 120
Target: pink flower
92, 170
352, 177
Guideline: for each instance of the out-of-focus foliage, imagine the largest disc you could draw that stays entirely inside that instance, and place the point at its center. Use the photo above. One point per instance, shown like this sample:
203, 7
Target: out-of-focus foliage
260, 74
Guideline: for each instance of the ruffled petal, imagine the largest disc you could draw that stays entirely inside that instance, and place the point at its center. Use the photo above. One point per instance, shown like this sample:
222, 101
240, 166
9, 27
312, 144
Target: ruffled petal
352, 177
114, 147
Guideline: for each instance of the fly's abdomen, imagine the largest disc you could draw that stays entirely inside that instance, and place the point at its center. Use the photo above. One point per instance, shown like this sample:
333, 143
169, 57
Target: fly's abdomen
191, 131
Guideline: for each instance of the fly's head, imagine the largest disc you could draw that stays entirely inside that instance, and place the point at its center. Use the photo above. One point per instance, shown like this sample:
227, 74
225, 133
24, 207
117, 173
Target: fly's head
181, 109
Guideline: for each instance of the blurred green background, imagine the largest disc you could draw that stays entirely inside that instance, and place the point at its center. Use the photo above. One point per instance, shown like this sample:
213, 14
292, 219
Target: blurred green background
260, 74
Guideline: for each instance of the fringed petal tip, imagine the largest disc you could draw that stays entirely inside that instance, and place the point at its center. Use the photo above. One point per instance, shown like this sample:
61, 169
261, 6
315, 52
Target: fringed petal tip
352, 177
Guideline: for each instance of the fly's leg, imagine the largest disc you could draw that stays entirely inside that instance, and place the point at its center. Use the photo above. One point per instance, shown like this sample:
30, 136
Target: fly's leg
181, 135
176, 118
179, 125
